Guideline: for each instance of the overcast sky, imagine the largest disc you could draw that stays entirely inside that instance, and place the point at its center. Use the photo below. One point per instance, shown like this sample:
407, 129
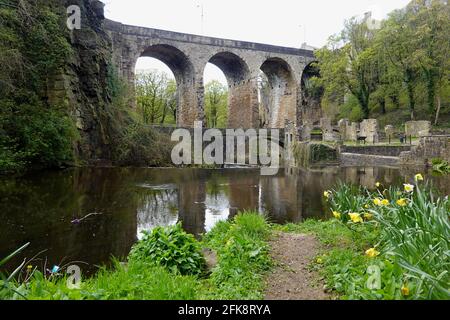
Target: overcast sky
278, 22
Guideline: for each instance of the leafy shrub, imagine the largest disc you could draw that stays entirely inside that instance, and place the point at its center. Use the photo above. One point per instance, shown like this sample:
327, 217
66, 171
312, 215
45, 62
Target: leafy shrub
142, 145
34, 135
170, 247
441, 166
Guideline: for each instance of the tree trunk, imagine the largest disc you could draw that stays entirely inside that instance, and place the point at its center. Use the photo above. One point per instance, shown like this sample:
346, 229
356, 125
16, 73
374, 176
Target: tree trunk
431, 94
383, 105
395, 101
412, 101
438, 109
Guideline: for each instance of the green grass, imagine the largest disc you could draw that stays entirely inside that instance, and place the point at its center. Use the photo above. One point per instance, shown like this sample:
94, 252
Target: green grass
243, 254
165, 266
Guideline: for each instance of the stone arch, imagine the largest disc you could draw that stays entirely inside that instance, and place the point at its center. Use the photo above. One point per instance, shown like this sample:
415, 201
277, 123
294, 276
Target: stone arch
283, 92
242, 95
311, 96
183, 70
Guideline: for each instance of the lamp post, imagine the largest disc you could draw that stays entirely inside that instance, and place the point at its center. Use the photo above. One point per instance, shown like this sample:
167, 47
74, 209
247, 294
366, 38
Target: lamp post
201, 6
304, 34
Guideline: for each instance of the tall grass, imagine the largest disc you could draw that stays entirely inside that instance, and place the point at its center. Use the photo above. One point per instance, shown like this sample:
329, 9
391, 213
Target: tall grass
412, 231
418, 236
243, 257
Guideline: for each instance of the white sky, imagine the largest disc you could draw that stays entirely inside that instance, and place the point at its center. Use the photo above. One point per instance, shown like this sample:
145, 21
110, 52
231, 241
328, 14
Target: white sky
278, 22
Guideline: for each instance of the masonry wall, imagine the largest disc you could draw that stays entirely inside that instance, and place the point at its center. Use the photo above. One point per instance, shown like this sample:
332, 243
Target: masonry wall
187, 56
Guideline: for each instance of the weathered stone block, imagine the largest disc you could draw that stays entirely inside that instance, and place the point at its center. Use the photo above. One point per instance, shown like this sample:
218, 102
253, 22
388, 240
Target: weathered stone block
418, 128
325, 124
351, 133
369, 129
389, 130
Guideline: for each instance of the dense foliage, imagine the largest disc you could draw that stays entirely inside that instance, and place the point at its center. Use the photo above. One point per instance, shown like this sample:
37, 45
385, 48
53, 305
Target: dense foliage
172, 248
216, 104
156, 96
400, 68
33, 45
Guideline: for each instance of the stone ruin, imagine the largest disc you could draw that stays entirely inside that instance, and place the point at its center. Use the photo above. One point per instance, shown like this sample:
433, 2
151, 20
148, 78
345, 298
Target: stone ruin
429, 148
369, 129
390, 131
348, 131
304, 132
418, 128
329, 135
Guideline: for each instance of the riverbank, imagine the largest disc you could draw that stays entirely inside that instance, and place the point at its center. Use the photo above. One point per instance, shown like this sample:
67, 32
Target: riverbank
380, 245
391, 244
167, 264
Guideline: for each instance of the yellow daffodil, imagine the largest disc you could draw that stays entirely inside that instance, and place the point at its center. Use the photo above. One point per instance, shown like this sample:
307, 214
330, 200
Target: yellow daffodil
336, 214
319, 260
402, 202
418, 177
366, 206
380, 202
378, 184
377, 201
408, 187
355, 217
327, 194
405, 291
372, 253
368, 216
29, 267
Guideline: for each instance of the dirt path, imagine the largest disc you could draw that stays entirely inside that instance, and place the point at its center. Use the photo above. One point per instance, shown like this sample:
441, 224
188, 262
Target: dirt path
291, 279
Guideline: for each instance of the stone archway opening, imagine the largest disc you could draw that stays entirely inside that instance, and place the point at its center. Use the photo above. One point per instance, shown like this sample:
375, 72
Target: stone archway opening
178, 97
156, 92
242, 94
312, 94
279, 94
216, 96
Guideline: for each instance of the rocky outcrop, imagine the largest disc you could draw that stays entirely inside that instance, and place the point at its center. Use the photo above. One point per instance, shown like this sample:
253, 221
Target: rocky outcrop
85, 84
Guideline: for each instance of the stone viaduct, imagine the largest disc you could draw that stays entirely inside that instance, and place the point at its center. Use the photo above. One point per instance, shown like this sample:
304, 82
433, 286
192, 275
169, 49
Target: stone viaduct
241, 62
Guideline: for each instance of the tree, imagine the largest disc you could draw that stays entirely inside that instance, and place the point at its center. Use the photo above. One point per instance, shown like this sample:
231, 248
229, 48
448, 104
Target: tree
216, 104
348, 64
430, 21
156, 97
397, 38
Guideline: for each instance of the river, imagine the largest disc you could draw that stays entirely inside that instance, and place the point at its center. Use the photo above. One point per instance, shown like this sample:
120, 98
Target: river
49, 209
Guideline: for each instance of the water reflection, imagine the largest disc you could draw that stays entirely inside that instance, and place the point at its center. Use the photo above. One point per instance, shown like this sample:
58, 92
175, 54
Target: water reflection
39, 208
